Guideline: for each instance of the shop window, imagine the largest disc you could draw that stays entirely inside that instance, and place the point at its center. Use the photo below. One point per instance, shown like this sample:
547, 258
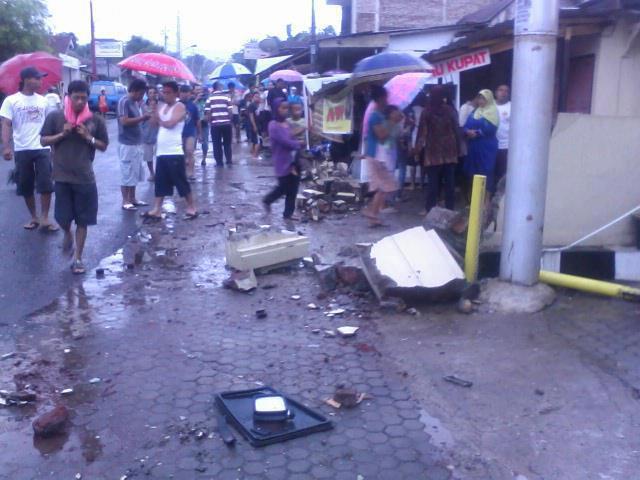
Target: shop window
580, 84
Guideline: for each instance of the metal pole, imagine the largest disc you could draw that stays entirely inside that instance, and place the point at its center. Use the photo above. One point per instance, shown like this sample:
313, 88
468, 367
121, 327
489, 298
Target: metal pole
534, 61
313, 48
94, 69
474, 231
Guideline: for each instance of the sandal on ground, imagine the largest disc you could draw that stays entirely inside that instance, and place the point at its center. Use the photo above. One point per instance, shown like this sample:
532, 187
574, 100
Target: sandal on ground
140, 203
77, 267
129, 207
150, 216
32, 225
50, 227
377, 224
190, 216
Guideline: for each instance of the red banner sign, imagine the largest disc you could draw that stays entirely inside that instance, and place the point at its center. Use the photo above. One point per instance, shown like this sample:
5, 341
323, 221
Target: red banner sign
461, 63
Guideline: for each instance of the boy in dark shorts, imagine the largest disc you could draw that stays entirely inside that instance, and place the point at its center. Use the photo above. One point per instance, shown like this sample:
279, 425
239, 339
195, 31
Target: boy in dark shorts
76, 134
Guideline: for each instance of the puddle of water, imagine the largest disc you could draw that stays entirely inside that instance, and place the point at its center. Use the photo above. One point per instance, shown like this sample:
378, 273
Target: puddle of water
440, 436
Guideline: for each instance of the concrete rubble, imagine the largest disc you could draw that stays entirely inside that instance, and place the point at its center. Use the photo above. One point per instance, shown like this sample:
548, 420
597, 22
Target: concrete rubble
330, 190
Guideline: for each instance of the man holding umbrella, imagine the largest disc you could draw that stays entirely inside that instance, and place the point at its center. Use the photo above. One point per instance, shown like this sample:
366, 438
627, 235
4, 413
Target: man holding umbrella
24, 114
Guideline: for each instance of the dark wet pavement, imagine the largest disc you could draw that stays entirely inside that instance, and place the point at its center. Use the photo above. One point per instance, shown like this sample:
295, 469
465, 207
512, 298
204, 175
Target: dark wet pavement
164, 337
33, 270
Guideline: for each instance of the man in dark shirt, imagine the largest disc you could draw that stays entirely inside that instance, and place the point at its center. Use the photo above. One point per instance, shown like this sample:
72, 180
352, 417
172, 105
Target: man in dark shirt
74, 141
190, 130
130, 149
280, 91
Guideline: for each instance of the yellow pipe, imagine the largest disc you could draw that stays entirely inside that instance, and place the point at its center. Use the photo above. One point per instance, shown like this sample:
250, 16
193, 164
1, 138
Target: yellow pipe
589, 285
475, 228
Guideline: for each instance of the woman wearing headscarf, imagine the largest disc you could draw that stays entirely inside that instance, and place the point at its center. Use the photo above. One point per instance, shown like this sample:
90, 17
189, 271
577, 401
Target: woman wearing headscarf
438, 136
481, 128
283, 144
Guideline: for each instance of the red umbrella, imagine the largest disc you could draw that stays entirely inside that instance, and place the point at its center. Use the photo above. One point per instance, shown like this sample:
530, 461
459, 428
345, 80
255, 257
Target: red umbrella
158, 64
44, 62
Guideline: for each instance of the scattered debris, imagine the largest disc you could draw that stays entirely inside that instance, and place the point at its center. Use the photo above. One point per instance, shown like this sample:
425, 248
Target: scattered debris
465, 306
347, 331
312, 306
51, 423
95, 380
241, 281
66, 391
295, 297
99, 272
329, 333
458, 381
7, 356
346, 397
335, 312
328, 277
20, 398
262, 313
413, 311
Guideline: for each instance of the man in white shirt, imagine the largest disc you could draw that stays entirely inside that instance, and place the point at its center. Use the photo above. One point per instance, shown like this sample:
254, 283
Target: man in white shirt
23, 113
504, 111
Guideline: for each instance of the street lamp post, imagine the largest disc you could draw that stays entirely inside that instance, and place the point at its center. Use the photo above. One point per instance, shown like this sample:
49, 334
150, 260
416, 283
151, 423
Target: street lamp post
313, 49
534, 58
94, 68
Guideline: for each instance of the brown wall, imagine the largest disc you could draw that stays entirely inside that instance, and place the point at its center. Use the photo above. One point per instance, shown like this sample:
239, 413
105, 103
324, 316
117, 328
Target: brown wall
397, 14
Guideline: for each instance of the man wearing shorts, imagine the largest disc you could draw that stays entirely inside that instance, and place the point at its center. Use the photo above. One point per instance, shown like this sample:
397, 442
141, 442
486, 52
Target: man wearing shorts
24, 113
75, 136
190, 130
130, 150
170, 165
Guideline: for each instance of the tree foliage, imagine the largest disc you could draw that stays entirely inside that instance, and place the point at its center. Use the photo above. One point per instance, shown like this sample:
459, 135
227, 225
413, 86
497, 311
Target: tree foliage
138, 44
23, 27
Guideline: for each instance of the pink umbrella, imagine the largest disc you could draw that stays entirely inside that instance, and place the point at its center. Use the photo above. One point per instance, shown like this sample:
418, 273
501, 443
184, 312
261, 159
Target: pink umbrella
42, 61
403, 89
158, 64
286, 75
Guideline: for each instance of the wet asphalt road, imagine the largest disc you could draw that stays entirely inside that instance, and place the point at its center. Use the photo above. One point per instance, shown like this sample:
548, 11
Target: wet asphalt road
33, 270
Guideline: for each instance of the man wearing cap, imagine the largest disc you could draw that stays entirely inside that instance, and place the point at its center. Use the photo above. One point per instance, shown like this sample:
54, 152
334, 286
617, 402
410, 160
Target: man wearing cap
24, 114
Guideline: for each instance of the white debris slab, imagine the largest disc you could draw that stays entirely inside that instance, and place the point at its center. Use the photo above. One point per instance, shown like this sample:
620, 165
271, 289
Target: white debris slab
264, 248
416, 258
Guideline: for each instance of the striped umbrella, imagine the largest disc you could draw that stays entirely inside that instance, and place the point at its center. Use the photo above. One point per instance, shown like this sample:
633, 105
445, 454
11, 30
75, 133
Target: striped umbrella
385, 65
229, 70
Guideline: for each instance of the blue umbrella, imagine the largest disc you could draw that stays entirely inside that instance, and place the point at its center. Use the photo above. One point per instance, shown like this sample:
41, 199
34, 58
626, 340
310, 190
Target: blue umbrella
385, 65
229, 70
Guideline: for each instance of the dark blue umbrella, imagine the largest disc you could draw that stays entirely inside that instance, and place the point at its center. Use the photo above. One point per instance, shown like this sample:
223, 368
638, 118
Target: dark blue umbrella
227, 81
386, 65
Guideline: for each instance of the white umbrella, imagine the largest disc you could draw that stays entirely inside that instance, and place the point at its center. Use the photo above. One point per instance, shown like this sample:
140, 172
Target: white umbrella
229, 70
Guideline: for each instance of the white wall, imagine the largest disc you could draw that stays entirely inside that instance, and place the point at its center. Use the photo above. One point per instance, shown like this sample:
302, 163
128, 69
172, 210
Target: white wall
419, 43
616, 82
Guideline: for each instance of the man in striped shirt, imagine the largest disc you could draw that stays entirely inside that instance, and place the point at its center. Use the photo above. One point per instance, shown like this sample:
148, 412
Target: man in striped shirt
218, 113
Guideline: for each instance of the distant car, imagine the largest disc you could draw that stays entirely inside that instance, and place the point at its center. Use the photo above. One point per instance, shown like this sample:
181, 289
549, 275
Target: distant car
114, 91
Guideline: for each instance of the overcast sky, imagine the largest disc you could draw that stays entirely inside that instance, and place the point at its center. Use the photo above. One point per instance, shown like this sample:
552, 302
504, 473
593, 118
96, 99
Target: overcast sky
218, 27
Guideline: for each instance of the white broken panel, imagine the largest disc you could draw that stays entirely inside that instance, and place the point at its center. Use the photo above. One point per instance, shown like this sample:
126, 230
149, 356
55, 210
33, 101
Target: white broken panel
264, 248
416, 258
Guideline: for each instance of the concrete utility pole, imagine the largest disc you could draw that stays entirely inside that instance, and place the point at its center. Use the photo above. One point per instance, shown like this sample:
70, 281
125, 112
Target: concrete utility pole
534, 60
178, 39
313, 48
94, 69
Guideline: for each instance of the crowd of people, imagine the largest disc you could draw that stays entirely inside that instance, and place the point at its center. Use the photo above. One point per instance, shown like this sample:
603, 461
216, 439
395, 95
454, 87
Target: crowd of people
53, 142
443, 144
159, 128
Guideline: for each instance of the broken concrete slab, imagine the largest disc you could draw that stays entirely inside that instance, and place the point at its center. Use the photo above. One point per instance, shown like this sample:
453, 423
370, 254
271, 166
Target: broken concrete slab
415, 265
244, 281
264, 247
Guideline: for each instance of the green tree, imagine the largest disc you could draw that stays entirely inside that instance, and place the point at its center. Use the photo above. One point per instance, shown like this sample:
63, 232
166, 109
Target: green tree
23, 27
140, 45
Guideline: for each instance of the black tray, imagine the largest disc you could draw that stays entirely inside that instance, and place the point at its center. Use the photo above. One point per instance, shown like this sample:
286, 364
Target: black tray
238, 408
